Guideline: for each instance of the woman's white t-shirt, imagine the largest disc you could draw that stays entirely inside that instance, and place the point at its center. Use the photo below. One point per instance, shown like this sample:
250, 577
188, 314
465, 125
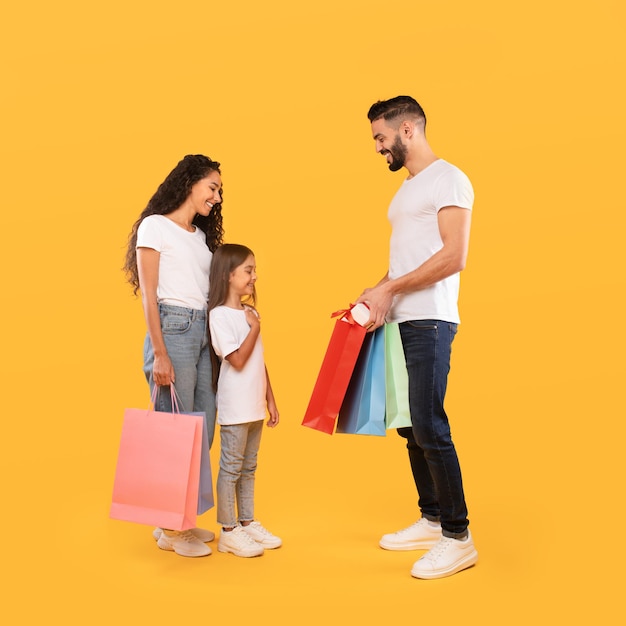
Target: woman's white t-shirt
241, 394
184, 263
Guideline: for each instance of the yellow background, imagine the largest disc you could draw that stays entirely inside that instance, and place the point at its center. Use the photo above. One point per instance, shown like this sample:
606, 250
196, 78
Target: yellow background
99, 101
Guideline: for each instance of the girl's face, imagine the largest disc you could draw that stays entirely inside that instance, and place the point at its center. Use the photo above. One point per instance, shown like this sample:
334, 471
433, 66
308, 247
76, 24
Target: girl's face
243, 277
205, 193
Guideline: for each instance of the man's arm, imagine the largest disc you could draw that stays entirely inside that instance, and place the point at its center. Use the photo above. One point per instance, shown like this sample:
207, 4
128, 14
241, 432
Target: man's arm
454, 228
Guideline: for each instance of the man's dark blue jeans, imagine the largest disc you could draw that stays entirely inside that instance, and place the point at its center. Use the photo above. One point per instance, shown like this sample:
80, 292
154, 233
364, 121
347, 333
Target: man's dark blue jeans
436, 471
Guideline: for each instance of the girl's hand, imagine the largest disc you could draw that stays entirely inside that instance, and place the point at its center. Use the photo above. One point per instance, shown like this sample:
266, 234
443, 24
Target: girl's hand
163, 371
274, 417
252, 317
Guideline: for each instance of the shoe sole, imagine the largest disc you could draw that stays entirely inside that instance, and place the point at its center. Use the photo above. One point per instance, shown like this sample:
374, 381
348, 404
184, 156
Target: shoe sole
467, 561
414, 545
166, 545
238, 553
269, 546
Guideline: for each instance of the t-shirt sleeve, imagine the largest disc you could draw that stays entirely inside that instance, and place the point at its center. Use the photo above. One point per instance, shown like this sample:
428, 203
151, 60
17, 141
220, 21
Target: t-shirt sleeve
149, 235
223, 333
453, 188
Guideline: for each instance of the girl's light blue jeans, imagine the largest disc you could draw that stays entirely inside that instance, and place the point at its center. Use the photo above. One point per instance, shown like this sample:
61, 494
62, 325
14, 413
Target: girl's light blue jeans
186, 339
235, 480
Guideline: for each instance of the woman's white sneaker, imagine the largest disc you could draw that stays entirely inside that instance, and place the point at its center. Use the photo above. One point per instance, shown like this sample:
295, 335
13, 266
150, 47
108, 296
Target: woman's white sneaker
183, 542
447, 557
199, 533
239, 542
419, 536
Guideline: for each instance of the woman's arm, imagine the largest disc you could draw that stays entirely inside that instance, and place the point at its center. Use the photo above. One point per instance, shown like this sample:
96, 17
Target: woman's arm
148, 270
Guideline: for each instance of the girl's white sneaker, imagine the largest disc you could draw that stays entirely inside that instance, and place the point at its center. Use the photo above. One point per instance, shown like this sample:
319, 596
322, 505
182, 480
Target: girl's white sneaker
263, 536
239, 542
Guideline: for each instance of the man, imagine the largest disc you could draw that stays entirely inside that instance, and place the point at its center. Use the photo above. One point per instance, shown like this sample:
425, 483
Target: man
430, 218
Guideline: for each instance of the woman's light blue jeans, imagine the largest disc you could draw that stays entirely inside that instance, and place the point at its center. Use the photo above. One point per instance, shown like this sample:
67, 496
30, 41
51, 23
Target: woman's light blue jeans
186, 339
235, 480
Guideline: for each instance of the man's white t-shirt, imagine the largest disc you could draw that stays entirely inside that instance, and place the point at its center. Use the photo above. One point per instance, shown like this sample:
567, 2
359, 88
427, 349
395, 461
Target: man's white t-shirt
241, 394
415, 238
184, 261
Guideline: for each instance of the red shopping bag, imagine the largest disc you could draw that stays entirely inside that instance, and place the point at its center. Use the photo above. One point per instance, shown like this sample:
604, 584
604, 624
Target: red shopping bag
337, 367
158, 469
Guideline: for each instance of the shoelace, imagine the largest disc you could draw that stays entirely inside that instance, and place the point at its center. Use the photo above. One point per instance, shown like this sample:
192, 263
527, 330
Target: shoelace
244, 537
410, 528
260, 528
187, 535
438, 549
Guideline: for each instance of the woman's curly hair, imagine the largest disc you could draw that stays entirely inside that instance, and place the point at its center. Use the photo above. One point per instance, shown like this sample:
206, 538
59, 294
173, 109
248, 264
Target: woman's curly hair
170, 195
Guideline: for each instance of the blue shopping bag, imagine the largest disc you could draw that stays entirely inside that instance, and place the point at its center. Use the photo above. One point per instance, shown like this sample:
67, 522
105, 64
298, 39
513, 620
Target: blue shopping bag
363, 409
206, 500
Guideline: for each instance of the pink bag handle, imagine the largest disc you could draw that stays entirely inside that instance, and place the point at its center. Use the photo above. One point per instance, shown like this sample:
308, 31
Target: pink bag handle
173, 397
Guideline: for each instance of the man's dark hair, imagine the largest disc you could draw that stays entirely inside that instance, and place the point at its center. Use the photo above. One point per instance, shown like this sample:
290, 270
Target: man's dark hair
403, 107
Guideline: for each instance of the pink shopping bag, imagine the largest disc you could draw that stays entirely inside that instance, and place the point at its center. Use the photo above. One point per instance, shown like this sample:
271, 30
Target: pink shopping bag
158, 469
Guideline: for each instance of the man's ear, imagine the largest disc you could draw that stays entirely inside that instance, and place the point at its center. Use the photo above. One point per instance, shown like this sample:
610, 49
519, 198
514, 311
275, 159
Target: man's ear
407, 129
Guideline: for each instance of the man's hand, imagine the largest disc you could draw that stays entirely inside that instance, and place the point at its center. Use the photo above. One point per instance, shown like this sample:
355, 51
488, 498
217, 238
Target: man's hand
379, 300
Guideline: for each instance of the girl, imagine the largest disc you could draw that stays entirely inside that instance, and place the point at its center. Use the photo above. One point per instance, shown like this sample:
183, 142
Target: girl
168, 259
243, 395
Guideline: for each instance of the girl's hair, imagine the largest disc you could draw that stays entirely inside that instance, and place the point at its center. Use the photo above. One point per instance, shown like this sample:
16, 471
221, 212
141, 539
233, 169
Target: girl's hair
226, 259
170, 195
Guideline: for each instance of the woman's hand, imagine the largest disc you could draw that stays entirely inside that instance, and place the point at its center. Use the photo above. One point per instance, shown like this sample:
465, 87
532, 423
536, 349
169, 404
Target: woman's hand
163, 371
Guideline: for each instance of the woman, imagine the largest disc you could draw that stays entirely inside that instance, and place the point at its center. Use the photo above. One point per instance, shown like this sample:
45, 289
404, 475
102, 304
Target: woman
168, 259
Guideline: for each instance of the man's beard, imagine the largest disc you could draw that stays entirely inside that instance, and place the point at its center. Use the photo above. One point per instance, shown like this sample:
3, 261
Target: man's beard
398, 154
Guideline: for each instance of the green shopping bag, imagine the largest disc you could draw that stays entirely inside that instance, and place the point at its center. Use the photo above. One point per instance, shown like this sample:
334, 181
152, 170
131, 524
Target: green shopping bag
397, 413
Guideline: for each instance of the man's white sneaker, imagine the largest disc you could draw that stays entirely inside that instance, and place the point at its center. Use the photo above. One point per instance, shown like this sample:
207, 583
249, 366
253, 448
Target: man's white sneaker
199, 533
182, 542
263, 536
239, 543
419, 536
448, 557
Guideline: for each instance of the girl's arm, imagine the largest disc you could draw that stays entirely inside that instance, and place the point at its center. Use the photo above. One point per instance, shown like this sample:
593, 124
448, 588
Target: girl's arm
148, 270
271, 403
239, 357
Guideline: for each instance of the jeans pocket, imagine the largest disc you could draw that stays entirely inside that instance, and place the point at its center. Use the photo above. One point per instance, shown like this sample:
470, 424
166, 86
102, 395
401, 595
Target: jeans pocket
422, 325
175, 324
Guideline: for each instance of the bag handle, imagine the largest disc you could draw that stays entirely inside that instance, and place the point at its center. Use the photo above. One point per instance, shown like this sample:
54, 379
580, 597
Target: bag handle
175, 400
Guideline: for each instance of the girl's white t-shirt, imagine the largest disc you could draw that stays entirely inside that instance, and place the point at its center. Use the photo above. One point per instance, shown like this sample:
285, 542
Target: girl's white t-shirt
241, 394
184, 263
415, 238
